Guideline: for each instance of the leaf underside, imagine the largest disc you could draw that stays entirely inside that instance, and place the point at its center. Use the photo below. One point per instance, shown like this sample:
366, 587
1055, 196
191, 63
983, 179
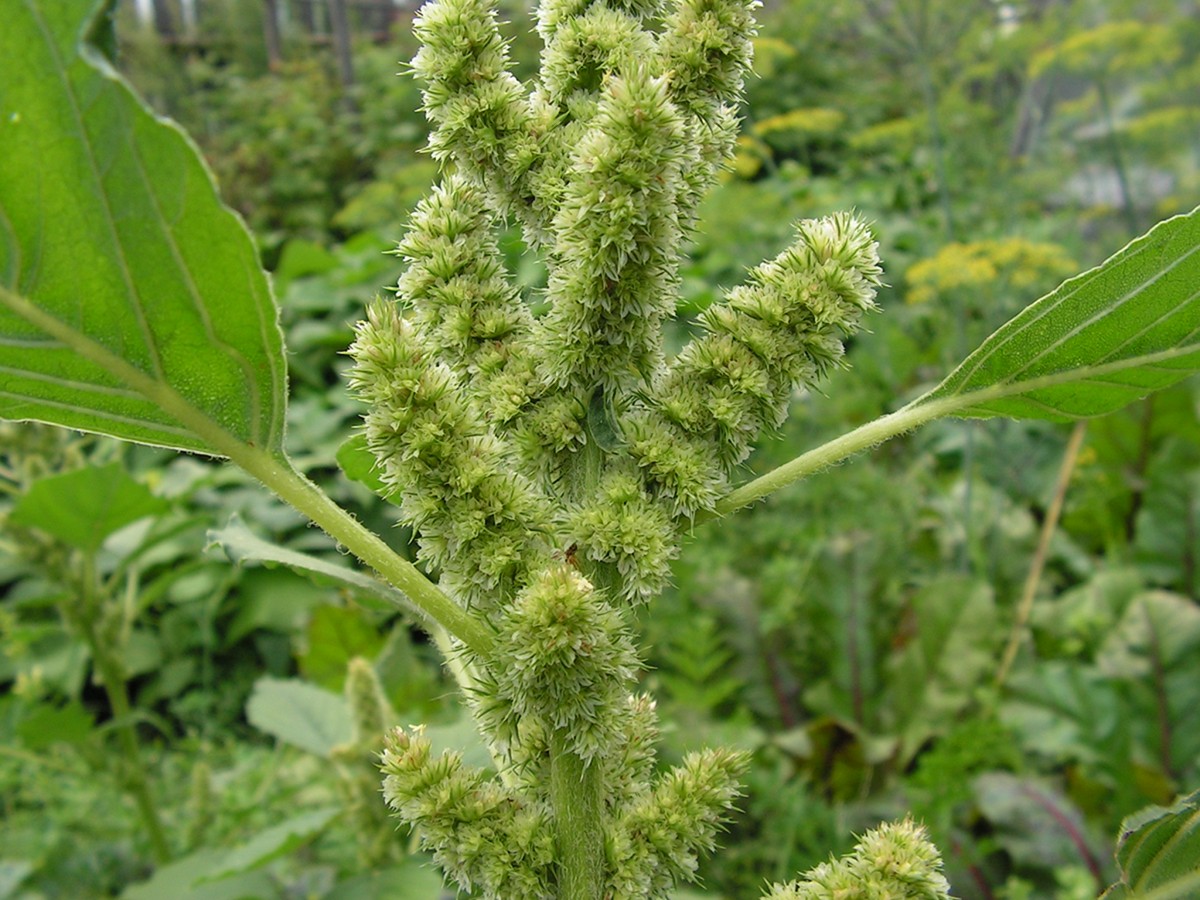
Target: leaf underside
111, 225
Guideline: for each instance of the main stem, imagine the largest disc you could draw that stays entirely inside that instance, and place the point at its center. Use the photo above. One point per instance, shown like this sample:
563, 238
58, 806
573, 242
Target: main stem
578, 809
576, 787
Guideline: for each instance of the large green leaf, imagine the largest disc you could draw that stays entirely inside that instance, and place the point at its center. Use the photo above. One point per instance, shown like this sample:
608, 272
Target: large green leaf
1159, 853
132, 302
85, 506
1100, 341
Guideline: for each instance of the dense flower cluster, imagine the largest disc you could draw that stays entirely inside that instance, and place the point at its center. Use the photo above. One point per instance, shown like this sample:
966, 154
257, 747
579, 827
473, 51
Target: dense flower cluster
549, 464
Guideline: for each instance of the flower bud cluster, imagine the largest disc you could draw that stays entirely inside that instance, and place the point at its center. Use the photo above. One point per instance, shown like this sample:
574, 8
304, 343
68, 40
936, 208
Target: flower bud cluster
468, 314
658, 839
612, 272
484, 837
895, 861
621, 525
481, 118
568, 661
476, 517
782, 331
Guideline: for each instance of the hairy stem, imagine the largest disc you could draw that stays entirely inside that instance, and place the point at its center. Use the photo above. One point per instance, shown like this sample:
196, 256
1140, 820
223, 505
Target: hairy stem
861, 438
575, 792
920, 412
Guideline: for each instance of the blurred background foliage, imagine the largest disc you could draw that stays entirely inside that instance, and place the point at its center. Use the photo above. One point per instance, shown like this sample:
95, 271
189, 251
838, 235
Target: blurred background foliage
850, 631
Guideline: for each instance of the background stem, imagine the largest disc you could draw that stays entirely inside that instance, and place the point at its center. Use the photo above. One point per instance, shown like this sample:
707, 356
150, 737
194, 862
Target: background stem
1038, 565
112, 676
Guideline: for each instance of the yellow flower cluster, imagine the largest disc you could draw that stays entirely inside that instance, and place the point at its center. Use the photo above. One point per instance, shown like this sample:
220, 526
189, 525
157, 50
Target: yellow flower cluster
988, 270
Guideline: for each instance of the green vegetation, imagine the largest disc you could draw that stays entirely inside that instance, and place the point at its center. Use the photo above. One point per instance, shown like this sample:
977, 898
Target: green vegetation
593, 611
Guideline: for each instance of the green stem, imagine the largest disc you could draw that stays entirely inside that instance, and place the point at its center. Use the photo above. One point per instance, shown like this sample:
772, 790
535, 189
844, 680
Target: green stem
134, 771
920, 412
868, 435
112, 676
277, 473
575, 794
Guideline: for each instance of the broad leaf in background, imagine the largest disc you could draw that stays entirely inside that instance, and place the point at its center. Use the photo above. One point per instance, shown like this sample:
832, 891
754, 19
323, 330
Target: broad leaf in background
335, 635
233, 874
1159, 853
272, 843
414, 879
951, 652
360, 465
83, 507
1153, 654
1100, 341
244, 546
132, 302
300, 714
1037, 826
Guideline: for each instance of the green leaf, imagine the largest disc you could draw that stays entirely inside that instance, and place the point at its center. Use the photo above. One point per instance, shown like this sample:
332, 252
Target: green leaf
48, 725
183, 879
272, 843
1154, 651
935, 675
1035, 824
413, 879
12, 873
1159, 852
1100, 341
132, 302
242, 545
336, 635
359, 464
85, 506
300, 714
274, 600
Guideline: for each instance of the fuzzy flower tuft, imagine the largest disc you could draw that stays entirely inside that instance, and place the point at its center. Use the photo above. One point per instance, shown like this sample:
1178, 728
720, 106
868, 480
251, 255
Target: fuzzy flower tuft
895, 861
565, 658
657, 842
468, 314
612, 272
491, 842
480, 115
782, 331
623, 526
478, 520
